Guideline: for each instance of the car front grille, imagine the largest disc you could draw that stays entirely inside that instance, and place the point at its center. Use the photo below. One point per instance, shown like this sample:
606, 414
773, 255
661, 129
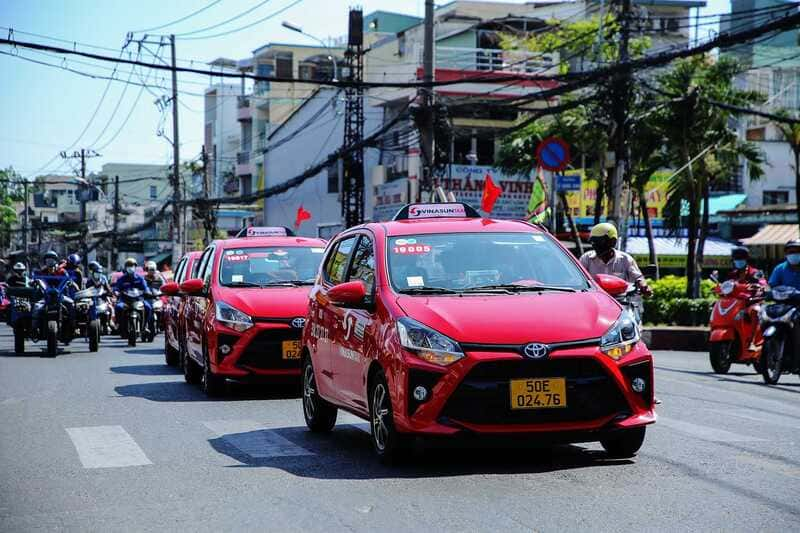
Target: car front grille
265, 351
483, 397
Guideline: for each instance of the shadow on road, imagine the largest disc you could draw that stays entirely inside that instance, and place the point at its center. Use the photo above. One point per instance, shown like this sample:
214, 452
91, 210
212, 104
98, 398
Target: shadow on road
180, 391
145, 351
346, 453
146, 370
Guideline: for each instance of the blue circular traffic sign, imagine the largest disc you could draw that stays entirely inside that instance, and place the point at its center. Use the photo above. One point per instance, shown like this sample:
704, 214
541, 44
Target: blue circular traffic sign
553, 154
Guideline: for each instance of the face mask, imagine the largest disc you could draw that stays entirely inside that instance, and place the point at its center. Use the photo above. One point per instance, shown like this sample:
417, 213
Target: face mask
794, 259
96, 275
50, 262
740, 263
130, 270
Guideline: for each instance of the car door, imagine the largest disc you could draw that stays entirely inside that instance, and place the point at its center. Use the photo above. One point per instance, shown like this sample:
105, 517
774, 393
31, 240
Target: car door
325, 327
173, 304
195, 307
354, 349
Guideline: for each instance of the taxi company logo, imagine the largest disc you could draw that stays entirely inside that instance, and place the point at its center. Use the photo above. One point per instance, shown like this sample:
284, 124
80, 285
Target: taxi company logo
298, 322
535, 350
436, 210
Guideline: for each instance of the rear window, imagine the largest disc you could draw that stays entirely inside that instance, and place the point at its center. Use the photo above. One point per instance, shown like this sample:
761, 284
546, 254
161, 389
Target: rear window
272, 264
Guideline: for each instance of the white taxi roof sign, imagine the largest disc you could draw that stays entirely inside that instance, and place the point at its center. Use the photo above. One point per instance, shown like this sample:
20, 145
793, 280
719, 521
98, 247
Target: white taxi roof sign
436, 210
265, 231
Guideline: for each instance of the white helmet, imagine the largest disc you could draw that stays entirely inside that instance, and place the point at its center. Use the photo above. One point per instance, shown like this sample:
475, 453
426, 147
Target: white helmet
150, 265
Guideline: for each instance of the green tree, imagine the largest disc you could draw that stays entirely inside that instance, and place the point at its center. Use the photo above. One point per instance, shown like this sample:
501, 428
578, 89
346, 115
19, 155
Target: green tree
790, 130
10, 194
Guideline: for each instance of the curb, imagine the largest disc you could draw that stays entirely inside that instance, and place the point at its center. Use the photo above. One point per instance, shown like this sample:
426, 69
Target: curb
688, 339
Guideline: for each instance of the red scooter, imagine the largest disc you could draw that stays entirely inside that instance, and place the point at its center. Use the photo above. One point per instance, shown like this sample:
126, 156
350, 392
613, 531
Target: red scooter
735, 328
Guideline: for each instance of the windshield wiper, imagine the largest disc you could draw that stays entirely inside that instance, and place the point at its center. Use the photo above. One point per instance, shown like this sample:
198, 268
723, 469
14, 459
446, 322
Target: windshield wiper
242, 284
427, 290
299, 282
520, 288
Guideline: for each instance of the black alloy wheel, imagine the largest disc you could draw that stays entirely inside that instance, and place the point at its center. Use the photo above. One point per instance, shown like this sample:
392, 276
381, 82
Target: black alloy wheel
320, 415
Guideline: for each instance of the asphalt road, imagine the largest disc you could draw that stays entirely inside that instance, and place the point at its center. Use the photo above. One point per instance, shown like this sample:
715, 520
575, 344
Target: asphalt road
117, 441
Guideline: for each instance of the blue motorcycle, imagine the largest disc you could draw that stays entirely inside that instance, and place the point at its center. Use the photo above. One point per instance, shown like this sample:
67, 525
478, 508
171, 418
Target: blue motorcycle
54, 314
87, 314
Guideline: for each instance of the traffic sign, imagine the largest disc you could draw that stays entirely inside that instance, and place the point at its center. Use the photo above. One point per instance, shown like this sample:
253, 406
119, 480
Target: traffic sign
553, 154
568, 182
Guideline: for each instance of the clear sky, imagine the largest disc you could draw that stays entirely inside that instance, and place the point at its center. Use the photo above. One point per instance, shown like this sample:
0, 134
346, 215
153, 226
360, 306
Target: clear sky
44, 110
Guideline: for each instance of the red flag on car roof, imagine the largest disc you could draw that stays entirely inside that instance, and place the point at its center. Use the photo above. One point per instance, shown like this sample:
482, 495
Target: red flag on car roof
491, 193
302, 215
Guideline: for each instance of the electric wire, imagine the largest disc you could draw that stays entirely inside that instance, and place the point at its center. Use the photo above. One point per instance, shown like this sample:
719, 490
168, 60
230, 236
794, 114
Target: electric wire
190, 15
245, 27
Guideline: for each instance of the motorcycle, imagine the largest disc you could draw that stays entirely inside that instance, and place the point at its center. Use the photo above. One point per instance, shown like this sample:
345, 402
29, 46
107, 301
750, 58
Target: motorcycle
20, 312
735, 335
158, 310
631, 300
87, 317
781, 324
55, 317
134, 314
105, 312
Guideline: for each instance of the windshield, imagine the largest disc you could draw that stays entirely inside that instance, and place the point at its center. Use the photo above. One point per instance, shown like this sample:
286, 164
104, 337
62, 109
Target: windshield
269, 265
464, 261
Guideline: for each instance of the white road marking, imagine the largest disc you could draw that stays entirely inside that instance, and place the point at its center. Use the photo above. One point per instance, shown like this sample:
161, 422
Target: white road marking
255, 440
704, 432
106, 447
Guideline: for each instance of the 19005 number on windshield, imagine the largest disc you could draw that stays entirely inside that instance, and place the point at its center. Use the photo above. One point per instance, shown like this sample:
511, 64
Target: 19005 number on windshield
540, 393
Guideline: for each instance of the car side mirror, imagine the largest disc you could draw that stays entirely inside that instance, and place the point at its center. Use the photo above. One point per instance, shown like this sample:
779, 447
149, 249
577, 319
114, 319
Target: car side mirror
193, 287
611, 284
170, 289
350, 294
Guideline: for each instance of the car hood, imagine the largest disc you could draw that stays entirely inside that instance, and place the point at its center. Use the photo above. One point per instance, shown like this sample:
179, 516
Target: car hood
273, 302
515, 319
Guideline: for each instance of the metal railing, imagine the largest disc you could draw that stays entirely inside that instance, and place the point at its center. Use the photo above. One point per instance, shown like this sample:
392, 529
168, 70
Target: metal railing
488, 59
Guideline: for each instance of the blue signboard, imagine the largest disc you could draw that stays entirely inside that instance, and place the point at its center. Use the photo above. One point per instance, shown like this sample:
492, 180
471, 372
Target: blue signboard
568, 183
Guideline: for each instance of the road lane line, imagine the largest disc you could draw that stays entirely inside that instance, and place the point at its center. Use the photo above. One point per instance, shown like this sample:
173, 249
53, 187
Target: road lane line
705, 432
106, 447
255, 440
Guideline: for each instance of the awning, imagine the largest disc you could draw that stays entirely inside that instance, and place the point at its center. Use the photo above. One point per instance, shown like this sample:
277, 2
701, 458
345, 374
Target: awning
726, 202
672, 252
160, 258
773, 234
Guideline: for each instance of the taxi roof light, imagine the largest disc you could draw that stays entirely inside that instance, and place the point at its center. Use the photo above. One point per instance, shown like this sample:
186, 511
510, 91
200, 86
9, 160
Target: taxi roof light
436, 210
265, 231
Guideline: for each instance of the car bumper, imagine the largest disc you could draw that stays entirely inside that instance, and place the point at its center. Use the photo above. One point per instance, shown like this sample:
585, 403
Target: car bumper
257, 352
473, 395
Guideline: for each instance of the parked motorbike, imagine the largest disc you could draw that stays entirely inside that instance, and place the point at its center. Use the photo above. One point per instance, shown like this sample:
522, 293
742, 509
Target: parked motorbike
735, 335
134, 315
55, 317
780, 321
87, 318
20, 312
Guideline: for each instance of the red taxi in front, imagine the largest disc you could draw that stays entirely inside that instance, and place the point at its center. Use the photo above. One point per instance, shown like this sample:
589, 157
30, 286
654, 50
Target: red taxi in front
443, 323
247, 307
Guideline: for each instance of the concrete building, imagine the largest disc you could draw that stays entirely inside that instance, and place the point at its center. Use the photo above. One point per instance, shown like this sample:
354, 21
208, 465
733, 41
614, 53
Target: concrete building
222, 133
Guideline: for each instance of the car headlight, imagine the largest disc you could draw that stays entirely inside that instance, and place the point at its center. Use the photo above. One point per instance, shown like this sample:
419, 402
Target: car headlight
620, 338
233, 318
428, 344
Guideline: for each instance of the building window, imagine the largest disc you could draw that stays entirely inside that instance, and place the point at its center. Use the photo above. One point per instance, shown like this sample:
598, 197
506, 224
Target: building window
306, 71
333, 177
283, 65
776, 197
153, 192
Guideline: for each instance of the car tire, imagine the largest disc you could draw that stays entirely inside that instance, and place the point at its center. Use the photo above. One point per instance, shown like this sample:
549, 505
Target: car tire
320, 414
720, 355
389, 445
94, 335
772, 359
212, 384
52, 338
19, 340
624, 443
192, 372
171, 355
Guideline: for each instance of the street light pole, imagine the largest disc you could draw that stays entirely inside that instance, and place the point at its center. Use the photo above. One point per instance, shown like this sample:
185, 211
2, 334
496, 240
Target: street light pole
297, 29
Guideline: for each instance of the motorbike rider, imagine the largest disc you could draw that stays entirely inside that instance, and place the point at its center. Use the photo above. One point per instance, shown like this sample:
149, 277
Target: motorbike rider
51, 266
744, 272
72, 266
152, 276
97, 278
18, 276
131, 280
788, 272
604, 258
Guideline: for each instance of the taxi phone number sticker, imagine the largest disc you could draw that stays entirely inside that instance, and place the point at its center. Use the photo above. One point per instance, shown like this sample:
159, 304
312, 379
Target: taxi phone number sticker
412, 249
541, 393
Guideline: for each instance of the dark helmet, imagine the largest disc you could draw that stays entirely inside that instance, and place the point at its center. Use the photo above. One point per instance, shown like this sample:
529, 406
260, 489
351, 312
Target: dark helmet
794, 243
740, 252
51, 255
73, 259
19, 268
94, 266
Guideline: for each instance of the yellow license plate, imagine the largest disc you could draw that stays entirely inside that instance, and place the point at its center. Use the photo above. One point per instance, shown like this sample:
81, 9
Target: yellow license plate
291, 349
539, 393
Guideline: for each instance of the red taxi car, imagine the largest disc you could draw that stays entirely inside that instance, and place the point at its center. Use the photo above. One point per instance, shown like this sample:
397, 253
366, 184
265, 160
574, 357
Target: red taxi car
247, 306
174, 325
441, 322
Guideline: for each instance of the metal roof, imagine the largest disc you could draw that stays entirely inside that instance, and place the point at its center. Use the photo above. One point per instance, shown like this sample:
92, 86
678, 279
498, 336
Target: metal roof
714, 247
774, 234
716, 204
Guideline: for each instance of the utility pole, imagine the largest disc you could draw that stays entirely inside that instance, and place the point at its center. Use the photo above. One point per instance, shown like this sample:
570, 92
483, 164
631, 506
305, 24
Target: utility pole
207, 214
353, 162
83, 191
175, 229
618, 211
25, 228
426, 96
114, 263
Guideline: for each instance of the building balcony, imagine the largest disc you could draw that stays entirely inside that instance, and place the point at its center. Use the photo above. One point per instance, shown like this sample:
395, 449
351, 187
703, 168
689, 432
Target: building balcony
244, 112
488, 59
243, 165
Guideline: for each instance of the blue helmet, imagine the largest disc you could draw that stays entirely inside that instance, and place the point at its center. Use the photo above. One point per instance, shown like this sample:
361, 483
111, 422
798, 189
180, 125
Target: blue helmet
73, 259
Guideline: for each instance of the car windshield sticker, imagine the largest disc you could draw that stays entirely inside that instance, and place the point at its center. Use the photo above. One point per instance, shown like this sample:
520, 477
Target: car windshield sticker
317, 250
436, 210
538, 238
235, 258
403, 242
412, 249
237, 278
229, 252
415, 281
280, 253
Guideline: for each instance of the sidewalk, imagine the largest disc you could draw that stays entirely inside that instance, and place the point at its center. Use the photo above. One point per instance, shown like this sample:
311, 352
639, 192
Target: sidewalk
682, 338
